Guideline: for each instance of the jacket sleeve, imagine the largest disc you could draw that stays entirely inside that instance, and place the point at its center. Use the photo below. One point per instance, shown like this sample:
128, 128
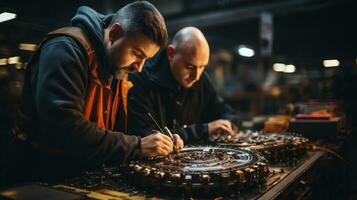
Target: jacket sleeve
194, 133
216, 109
139, 105
59, 97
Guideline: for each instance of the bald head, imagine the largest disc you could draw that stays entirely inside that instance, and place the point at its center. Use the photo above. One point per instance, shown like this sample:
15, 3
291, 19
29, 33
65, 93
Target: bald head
190, 38
188, 54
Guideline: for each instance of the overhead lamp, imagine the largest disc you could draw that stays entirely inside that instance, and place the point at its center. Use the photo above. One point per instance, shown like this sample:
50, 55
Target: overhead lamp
6, 16
27, 46
290, 68
13, 60
279, 67
3, 61
331, 63
245, 51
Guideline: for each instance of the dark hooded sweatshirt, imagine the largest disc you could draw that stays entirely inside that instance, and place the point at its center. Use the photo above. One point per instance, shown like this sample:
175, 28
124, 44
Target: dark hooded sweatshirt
184, 111
56, 88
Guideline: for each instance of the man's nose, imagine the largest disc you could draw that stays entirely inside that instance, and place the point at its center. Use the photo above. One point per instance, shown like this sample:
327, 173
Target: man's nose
195, 75
139, 65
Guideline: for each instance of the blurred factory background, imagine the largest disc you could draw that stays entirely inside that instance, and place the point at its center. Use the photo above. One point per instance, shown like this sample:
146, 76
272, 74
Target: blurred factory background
265, 55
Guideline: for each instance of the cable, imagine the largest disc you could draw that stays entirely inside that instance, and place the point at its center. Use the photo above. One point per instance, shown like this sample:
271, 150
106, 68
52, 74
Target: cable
328, 150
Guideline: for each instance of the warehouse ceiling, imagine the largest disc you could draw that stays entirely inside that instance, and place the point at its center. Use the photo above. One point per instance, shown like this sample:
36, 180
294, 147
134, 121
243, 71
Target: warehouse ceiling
303, 29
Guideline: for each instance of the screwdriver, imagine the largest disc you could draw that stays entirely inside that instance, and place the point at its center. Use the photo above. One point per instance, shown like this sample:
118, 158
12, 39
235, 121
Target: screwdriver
167, 130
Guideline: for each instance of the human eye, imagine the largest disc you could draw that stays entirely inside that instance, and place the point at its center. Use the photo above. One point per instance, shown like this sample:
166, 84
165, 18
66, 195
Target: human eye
189, 66
137, 53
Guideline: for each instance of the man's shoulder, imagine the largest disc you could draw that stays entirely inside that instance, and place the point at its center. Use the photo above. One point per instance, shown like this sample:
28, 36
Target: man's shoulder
205, 83
64, 44
139, 78
60, 40
63, 47
205, 80
57, 51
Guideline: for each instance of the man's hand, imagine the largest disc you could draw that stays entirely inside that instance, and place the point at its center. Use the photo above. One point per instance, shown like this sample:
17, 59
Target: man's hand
156, 144
220, 126
178, 141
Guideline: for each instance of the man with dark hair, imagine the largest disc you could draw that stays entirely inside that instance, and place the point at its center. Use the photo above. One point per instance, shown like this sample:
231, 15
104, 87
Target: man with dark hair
71, 105
177, 91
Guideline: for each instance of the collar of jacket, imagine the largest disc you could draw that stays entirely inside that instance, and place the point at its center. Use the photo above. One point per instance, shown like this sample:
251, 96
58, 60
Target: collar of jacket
93, 24
158, 70
104, 75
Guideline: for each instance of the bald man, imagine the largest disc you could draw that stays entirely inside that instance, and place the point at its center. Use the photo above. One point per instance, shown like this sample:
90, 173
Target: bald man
175, 89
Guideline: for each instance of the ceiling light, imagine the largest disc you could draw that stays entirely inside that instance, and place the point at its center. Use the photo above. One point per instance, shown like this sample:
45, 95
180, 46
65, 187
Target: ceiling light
3, 61
289, 69
13, 60
279, 67
245, 51
27, 47
331, 63
5, 16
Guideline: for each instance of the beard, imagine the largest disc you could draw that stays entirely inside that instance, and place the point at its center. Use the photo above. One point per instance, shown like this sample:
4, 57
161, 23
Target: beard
122, 73
188, 83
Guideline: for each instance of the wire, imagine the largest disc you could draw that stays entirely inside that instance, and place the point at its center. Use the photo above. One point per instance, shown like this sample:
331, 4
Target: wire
328, 150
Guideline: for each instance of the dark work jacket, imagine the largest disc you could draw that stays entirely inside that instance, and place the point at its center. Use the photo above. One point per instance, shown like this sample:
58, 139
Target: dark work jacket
185, 111
58, 81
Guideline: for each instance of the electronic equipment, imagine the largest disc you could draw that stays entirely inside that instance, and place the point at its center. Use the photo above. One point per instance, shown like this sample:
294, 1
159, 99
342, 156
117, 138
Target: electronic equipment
286, 148
201, 169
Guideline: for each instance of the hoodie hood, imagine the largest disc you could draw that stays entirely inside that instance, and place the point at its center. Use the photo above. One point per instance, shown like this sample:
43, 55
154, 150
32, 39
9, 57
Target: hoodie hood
158, 71
93, 24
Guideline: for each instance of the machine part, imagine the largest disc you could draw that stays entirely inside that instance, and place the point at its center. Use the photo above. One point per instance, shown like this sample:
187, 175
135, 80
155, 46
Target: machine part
275, 147
202, 169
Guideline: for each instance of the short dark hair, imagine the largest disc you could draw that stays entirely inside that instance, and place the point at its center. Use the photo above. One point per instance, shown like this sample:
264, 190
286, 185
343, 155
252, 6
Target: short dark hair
142, 17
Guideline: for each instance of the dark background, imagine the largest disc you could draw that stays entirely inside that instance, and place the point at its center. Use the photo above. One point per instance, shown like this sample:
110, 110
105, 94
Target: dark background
305, 33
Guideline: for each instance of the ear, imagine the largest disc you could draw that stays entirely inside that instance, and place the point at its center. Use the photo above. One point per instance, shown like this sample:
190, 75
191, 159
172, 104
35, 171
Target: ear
116, 31
170, 51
